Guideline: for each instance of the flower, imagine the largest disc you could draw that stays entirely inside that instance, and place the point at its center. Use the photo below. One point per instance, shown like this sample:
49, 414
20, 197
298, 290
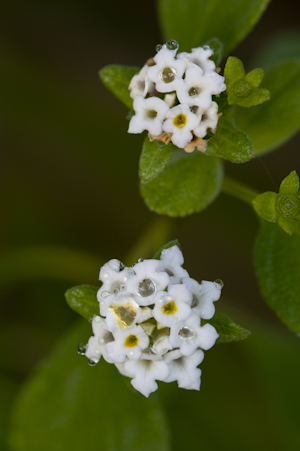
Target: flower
173, 305
150, 323
184, 369
147, 281
128, 343
140, 84
209, 119
180, 121
188, 335
204, 295
149, 115
96, 344
189, 81
171, 261
199, 56
198, 87
145, 373
167, 72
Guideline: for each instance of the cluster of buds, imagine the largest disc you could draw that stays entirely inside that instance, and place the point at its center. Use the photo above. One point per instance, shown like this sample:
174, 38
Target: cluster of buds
173, 96
150, 321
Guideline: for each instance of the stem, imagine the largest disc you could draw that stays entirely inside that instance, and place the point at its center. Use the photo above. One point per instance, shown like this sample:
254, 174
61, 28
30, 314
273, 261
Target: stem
151, 240
239, 190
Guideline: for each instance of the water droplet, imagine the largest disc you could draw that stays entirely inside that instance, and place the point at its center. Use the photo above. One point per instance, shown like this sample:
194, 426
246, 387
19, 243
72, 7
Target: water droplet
81, 348
146, 288
186, 333
92, 362
164, 252
130, 271
122, 266
168, 75
122, 288
124, 313
116, 291
104, 294
206, 47
140, 260
219, 283
172, 45
193, 92
158, 47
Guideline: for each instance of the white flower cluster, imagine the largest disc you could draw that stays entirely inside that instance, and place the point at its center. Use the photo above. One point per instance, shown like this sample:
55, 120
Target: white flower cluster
173, 96
150, 321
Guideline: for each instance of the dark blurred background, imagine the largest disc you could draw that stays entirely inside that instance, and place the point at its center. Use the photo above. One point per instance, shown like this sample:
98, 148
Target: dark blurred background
69, 196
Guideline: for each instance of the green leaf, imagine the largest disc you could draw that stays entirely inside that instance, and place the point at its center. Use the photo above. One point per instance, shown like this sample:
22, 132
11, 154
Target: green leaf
277, 260
290, 185
68, 405
117, 78
242, 89
83, 299
153, 158
166, 246
229, 142
271, 124
192, 22
188, 184
254, 78
265, 206
228, 331
233, 72
218, 47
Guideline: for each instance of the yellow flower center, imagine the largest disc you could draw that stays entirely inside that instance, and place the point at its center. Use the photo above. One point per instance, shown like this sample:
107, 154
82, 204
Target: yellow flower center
131, 341
180, 120
170, 308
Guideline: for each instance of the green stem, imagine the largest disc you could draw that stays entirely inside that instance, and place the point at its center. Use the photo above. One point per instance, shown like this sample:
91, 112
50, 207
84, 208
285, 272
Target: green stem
151, 240
239, 190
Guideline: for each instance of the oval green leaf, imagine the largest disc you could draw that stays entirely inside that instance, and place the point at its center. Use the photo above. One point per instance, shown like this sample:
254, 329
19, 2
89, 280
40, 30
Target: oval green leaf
228, 330
274, 122
83, 299
229, 142
188, 184
277, 260
154, 157
192, 22
68, 405
117, 78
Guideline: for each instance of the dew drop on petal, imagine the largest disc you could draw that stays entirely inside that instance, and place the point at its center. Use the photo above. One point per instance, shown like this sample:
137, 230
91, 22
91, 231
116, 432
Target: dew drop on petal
206, 47
140, 260
172, 45
92, 362
158, 47
81, 348
146, 288
219, 283
104, 294
186, 333
167, 75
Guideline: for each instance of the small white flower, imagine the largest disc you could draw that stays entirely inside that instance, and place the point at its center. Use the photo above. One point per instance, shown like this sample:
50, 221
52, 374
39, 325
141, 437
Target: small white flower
167, 72
96, 344
188, 335
171, 261
128, 343
147, 281
184, 369
209, 119
199, 87
180, 122
122, 312
199, 56
145, 373
204, 295
150, 114
173, 305
140, 85
113, 277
